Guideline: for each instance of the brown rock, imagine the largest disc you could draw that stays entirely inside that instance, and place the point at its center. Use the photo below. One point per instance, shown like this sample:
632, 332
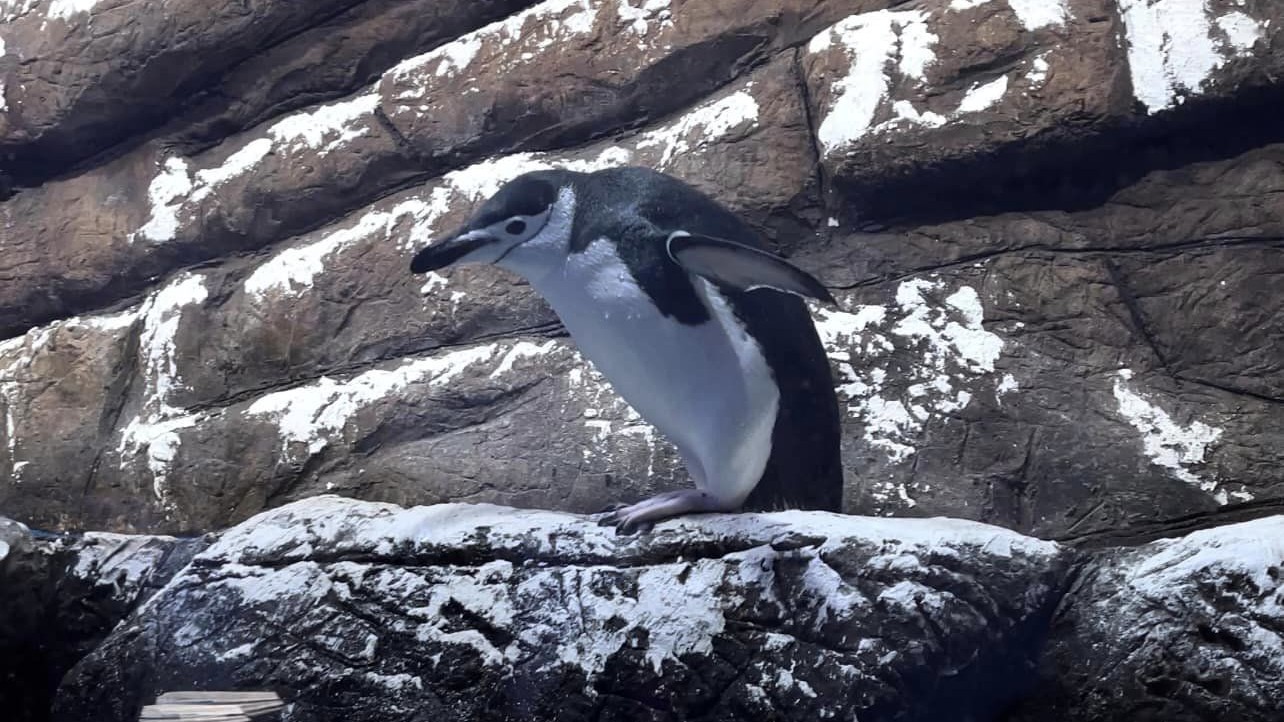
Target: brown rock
341, 301
908, 101
79, 77
1089, 348
313, 165
489, 90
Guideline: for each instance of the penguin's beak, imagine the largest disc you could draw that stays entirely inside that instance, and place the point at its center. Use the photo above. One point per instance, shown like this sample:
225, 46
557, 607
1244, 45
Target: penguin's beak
475, 246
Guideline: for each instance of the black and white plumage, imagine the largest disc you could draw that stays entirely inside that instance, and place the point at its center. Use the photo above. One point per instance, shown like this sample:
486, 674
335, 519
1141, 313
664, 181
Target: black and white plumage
660, 287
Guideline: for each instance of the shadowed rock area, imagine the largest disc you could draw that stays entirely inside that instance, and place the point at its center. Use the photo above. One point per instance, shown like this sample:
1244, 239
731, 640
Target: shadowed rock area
63, 594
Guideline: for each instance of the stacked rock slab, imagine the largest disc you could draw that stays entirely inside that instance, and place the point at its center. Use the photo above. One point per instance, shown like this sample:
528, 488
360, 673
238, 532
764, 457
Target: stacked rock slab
358, 610
368, 611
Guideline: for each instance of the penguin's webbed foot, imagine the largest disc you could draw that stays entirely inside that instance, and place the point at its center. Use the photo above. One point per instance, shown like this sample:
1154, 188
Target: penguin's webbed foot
642, 516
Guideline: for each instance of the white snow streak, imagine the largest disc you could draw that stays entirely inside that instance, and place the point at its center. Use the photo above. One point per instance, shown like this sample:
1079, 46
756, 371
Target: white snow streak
1172, 51
947, 347
1167, 443
155, 428
872, 42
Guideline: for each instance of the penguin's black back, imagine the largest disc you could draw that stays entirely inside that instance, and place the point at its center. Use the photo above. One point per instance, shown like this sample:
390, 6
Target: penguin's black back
804, 470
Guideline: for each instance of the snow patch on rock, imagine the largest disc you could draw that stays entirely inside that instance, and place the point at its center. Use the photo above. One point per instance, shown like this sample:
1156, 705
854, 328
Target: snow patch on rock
1036, 14
1169, 444
107, 322
1172, 567
291, 272
235, 165
320, 130
325, 128
638, 20
871, 42
11, 10
521, 350
707, 123
123, 560
241, 651
257, 585
1146, 604
166, 194
65, 9
549, 24
1038, 70
155, 427
1241, 31
1172, 50
314, 414
1007, 385
433, 282
317, 414
984, 95
902, 364
874, 43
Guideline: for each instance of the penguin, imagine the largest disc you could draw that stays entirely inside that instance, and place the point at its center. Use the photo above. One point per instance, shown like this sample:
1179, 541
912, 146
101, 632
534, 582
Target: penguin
676, 301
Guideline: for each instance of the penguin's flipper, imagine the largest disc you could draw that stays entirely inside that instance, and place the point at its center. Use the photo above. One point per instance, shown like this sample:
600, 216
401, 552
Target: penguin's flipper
737, 265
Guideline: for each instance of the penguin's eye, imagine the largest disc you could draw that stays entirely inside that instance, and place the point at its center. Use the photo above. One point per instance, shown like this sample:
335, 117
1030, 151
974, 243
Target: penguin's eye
515, 227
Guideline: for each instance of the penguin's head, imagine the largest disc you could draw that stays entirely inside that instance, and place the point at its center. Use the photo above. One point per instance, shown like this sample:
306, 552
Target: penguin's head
517, 215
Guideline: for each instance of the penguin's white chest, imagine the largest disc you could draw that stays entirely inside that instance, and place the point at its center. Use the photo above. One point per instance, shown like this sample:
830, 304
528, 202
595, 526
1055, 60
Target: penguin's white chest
706, 387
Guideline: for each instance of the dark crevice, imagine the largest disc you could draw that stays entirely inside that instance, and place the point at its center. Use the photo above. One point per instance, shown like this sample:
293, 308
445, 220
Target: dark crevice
1037, 249
813, 138
1139, 324
499, 405
1142, 531
1074, 166
1226, 388
403, 143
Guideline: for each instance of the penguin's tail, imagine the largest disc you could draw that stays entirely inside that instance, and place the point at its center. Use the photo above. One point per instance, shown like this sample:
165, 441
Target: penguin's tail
212, 707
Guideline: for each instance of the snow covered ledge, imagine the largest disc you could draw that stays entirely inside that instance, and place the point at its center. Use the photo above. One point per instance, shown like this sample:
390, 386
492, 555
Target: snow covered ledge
366, 611
1181, 630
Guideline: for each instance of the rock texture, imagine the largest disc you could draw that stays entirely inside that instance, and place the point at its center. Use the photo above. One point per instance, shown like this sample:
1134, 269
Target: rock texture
361, 610
1054, 228
365, 611
1180, 629
62, 595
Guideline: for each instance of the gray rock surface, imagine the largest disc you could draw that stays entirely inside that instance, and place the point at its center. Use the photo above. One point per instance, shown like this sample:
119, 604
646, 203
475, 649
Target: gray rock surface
1176, 630
372, 611
366, 611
